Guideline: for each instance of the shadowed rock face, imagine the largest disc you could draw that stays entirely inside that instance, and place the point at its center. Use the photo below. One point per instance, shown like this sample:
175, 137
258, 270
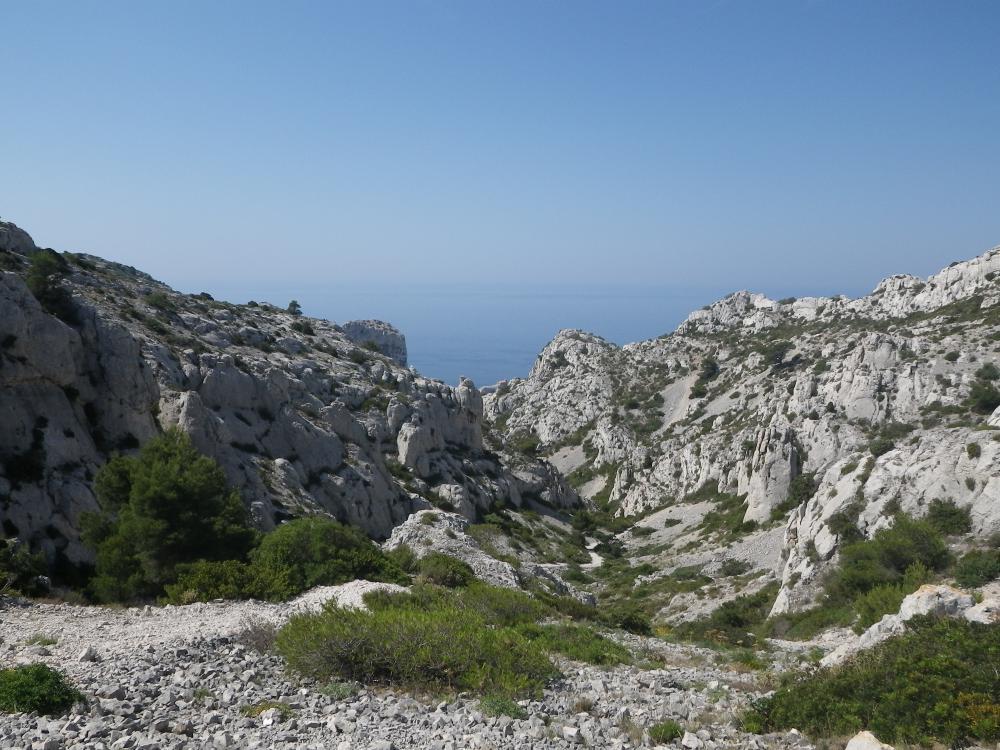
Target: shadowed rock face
867, 397
302, 418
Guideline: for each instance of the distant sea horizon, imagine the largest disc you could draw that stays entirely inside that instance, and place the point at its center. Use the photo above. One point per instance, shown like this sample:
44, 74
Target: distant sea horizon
486, 332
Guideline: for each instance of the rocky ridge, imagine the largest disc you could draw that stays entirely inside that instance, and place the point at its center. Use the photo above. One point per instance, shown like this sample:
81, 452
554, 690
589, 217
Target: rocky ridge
305, 416
805, 410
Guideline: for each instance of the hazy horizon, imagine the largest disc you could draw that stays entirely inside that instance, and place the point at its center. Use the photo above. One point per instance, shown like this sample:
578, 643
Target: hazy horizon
696, 148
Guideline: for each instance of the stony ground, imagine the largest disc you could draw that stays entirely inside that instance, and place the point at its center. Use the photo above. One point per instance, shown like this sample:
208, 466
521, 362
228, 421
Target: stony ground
182, 678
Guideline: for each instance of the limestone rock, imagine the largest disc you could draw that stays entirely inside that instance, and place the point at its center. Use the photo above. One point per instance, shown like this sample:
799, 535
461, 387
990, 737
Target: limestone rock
380, 335
866, 741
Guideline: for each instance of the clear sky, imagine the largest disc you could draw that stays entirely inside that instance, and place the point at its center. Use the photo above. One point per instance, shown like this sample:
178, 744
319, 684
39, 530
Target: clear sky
812, 146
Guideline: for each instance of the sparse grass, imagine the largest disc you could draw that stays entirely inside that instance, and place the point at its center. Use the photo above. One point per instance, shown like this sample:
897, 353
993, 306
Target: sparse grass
41, 639
339, 690
499, 705
577, 642
665, 731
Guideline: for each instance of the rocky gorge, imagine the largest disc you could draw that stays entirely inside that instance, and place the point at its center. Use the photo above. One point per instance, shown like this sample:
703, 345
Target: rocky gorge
690, 497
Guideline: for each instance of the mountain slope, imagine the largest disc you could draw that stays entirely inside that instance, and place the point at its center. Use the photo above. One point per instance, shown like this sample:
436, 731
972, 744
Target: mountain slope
758, 426
304, 416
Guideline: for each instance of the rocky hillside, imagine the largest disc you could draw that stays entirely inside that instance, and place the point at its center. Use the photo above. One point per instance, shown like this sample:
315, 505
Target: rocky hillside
304, 415
762, 433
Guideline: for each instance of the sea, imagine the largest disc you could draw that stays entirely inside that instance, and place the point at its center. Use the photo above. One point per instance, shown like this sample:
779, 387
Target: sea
488, 332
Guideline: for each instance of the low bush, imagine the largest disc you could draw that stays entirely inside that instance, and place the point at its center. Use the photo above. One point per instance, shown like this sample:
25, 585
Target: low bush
984, 397
433, 646
977, 568
445, 570
297, 556
734, 621
577, 642
938, 682
498, 705
886, 598
36, 688
885, 558
949, 518
309, 552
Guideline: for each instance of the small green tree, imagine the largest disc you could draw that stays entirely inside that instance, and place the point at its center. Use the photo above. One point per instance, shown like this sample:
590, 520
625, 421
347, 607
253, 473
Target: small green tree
167, 506
294, 307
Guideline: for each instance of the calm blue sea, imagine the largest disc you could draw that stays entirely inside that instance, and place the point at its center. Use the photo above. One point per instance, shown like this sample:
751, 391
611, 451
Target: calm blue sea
489, 332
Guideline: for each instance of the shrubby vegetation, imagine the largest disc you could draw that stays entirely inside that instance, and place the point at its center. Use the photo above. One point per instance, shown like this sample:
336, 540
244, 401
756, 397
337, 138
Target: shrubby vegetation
36, 688
978, 567
171, 527
938, 682
163, 508
477, 638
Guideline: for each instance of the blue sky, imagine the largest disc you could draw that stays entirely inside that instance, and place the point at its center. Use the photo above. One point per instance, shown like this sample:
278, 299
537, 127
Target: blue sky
781, 146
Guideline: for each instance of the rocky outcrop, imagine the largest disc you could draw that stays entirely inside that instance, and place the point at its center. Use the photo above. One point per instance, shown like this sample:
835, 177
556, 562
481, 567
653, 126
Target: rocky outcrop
13, 239
804, 409
378, 335
933, 600
302, 418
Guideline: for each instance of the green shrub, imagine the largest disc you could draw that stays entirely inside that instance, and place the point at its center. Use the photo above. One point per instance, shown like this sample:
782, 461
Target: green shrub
577, 642
984, 397
949, 518
937, 682
432, 647
886, 598
665, 731
298, 555
732, 623
989, 371
307, 552
977, 568
973, 450
884, 558
36, 688
498, 705
734, 567
404, 558
165, 507
951, 356
445, 570
496, 605
626, 616
881, 445
205, 580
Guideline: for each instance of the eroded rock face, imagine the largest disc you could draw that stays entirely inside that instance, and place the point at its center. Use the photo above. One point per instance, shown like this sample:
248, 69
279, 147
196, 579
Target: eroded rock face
301, 417
806, 409
379, 334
